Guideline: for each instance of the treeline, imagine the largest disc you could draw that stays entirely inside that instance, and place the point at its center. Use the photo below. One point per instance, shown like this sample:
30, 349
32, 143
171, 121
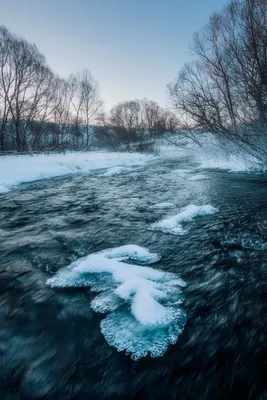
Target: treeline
135, 125
224, 91
40, 111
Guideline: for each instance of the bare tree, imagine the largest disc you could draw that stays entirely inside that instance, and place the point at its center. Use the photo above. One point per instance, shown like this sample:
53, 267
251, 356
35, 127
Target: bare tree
39, 110
135, 125
91, 104
25, 83
224, 91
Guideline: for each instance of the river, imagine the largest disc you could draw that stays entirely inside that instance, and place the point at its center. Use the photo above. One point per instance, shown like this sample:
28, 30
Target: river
51, 346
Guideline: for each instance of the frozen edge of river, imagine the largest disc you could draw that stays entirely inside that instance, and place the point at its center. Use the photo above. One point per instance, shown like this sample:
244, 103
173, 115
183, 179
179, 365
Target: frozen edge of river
15, 170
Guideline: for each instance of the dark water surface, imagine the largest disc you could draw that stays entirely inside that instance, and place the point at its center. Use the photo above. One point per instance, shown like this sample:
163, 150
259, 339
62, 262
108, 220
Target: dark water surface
51, 346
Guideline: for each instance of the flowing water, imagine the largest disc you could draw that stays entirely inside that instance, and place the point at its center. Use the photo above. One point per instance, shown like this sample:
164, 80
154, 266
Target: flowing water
51, 346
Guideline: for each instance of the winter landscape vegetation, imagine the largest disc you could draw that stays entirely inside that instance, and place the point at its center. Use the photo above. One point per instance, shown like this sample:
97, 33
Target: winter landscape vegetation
133, 237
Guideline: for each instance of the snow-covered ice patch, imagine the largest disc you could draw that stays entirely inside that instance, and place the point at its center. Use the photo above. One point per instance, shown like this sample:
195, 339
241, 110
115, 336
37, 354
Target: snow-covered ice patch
141, 255
15, 170
163, 206
198, 178
144, 304
173, 224
118, 171
124, 332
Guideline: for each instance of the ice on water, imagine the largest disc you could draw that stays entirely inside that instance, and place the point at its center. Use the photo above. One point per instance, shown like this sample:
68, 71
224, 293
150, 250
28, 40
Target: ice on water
118, 171
132, 252
174, 225
183, 172
124, 332
198, 178
144, 304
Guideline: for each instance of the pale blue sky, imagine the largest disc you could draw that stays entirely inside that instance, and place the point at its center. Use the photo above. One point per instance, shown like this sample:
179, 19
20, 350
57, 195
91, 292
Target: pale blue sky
132, 47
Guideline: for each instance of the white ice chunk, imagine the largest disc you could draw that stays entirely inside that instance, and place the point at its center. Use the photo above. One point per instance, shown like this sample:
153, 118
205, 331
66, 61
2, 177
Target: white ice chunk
173, 224
150, 312
132, 252
163, 205
198, 178
106, 302
118, 171
124, 332
143, 297
129, 288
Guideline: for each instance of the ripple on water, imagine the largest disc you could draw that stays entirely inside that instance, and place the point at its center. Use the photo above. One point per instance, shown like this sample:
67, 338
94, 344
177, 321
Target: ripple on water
51, 344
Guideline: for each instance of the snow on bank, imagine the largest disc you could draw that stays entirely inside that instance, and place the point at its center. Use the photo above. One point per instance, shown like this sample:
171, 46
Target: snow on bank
19, 169
212, 156
143, 303
233, 164
173, 224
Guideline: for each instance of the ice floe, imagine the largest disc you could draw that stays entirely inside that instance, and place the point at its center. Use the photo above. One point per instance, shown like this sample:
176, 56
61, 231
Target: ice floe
144, 303
198, 178
118, 171
173, 224
132, 252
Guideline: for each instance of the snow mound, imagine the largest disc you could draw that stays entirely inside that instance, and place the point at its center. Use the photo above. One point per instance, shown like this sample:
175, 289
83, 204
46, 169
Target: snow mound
141, 255
198, 178
173, 224
143, 303
163, 205
15, 170
118, 171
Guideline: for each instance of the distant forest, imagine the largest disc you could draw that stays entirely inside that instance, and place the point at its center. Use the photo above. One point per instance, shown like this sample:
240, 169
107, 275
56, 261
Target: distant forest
223, 92
39, 111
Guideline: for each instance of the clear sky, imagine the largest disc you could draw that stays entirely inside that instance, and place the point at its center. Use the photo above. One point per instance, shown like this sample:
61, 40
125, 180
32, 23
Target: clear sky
132, 47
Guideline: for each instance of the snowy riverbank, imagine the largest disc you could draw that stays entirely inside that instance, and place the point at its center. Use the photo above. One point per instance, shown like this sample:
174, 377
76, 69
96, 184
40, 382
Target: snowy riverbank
15, 170
26, 168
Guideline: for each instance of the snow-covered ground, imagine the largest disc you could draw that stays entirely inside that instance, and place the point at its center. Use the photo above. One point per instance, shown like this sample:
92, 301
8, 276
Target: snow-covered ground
213, 155
231, 163
19, 169
15, 170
